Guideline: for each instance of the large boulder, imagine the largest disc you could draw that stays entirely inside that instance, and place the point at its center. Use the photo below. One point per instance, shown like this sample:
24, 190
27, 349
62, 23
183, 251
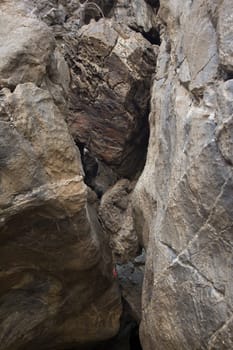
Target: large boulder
111, 77
26, 46
183, 202
56, 284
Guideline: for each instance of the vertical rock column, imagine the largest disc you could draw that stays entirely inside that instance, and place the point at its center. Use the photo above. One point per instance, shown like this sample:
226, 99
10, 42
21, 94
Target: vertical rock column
183, 200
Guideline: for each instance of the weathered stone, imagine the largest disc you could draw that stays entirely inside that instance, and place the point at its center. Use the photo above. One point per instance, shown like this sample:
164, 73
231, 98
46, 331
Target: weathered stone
183, 199
111, 72
26, 46
57, 288
56, 284
49, 238
225, 28
115, 213
130, 277
136, 14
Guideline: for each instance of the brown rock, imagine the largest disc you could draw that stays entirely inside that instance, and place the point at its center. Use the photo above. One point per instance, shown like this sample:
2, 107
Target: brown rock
115, 213
184, 195
111, 71
225, 23
49, 239
56, 283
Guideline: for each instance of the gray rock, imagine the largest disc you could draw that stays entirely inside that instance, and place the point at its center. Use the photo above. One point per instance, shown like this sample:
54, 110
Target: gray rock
225, 31
183, 199
115, 213
27, 46
130, 277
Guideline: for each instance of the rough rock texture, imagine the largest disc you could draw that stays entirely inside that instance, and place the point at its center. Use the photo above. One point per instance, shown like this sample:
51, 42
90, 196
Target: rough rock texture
111, 73
184, 198
56, 283
57, 288
139, 15
20, 60
115, 212
130, 277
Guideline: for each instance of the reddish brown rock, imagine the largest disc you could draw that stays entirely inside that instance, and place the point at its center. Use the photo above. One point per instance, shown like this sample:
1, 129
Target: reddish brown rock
111, 71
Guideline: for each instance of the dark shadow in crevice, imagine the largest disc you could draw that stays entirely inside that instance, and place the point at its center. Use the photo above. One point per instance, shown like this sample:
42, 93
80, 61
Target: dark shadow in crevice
152, 36
225, 74
90, 168
154, 3
128, 335
135, 343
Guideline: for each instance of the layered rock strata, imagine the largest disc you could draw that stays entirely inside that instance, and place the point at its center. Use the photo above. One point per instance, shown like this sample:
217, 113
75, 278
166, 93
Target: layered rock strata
111, 68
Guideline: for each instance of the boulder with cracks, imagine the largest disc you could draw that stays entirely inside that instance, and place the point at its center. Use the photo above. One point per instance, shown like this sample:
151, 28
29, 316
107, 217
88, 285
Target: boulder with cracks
111, 74
58, 285
56, 282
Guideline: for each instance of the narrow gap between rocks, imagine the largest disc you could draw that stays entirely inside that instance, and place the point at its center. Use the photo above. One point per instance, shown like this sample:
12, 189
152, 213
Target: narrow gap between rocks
152, 36
227, 75
128, 335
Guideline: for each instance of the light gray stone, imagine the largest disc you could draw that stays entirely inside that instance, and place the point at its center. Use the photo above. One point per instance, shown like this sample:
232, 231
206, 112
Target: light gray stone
183, 199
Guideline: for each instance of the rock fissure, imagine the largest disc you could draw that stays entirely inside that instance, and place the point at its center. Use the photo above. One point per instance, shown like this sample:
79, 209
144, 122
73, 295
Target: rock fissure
115, 175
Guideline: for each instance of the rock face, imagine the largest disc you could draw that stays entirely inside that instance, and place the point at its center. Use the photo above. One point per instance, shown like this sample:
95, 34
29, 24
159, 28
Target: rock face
56, 283
97, 65
130, 277
111, 73
184, 198
115, 212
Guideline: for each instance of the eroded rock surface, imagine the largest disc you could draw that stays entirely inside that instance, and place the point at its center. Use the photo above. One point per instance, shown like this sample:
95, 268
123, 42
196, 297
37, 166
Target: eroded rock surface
112, 68
56, 283
184, 196
57, 287
115, 212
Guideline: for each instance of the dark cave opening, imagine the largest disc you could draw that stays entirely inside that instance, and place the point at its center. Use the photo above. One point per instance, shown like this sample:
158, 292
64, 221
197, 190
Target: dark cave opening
225, 73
